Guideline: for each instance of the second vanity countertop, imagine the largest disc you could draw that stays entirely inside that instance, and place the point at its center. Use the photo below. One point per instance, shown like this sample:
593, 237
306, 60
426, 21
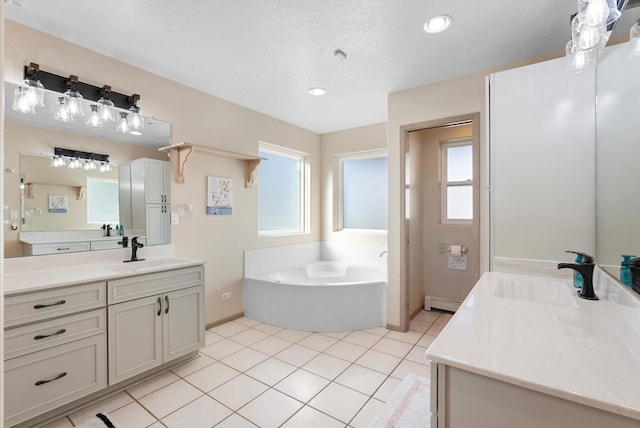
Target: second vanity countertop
537, 333
28, 274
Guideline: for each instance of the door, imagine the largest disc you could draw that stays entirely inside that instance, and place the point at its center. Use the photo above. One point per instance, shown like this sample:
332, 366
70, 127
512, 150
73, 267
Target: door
183, 321
135, 337
443, 212
156, 181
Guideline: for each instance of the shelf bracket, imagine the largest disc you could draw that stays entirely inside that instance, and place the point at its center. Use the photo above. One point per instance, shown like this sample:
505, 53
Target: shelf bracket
251, 173
180, 154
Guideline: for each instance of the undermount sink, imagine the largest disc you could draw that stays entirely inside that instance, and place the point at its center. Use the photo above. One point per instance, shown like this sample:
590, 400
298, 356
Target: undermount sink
548, 292
143, 264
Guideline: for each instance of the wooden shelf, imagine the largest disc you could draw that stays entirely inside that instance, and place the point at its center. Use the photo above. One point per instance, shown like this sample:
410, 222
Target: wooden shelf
180, 152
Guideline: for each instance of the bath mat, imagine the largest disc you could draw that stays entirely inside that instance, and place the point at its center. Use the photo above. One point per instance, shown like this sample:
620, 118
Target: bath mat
408, 407
101, 420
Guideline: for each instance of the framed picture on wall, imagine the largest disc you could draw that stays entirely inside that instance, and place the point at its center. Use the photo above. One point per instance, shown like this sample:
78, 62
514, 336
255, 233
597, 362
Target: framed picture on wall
57, 204
219, 196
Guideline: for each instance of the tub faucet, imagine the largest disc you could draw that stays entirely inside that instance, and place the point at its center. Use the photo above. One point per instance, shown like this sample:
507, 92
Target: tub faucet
383, 253
586, 270
134, 250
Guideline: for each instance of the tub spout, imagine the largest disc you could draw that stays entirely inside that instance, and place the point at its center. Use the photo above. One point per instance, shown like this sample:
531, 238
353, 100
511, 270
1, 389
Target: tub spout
383, 253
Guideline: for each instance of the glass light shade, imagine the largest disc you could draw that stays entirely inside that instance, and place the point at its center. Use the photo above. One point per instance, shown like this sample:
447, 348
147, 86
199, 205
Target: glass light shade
94, 119
21, 101
63, 114
90, 165
136, 121
35, 92
75, 163
588, 36
74, 101
105, 110
598, 12
105, 166
58, 161
579, 59
123, 123
634, 41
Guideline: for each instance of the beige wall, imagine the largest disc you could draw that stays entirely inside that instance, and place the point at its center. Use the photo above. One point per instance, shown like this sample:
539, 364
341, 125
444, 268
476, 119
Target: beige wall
198, 118
339, 143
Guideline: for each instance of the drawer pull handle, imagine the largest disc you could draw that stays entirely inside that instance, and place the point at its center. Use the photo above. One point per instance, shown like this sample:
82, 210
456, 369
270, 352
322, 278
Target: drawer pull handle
166, 300
60, 302
159, 306
60, 376
44, 336
62, 249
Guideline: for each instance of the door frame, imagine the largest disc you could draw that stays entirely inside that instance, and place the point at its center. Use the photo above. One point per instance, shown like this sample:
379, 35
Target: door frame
405, 130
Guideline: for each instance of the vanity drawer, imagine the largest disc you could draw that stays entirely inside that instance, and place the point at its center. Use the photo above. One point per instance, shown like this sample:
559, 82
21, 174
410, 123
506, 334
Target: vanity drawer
35, 337
59, 248
136, 287
44, 380
26, 308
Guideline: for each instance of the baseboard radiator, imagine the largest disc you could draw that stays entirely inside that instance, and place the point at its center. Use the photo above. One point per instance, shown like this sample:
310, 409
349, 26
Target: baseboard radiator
434, 302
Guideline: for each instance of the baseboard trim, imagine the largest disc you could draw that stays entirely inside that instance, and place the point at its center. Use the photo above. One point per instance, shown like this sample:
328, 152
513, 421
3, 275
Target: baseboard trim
433, 302
224, 320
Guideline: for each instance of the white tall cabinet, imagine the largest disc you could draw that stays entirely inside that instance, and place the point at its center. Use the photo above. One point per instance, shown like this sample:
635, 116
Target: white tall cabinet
151, 199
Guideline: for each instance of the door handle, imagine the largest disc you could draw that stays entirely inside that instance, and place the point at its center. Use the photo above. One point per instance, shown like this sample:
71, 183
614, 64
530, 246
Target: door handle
159, 306
42, 382
166, 300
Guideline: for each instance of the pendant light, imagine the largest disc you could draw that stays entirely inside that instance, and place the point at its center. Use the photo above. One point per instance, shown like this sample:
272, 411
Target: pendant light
105, 105
135, 120
94, 119
74, 97
123, 123
63, 114
30, 94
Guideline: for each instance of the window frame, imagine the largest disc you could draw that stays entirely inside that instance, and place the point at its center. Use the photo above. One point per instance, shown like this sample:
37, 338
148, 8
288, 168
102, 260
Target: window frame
445, 184
101, 179
338, 210
304, 189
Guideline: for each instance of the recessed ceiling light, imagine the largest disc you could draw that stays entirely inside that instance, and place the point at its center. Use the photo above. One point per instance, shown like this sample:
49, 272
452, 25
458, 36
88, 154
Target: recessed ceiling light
437, 23
317, 92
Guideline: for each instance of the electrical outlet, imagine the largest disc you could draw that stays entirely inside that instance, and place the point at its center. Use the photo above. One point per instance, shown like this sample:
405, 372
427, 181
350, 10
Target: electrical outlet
226, 295
443, 248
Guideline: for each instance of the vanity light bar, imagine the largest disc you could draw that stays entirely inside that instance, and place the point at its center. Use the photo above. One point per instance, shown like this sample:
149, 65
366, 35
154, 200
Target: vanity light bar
70, 153
61, 84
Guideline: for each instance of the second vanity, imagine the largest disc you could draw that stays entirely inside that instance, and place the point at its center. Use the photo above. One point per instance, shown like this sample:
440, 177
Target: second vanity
525, 351
77, 331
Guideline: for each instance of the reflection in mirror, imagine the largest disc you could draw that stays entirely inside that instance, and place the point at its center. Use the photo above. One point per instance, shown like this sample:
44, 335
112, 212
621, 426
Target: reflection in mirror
90, 197
618, 156
29, 142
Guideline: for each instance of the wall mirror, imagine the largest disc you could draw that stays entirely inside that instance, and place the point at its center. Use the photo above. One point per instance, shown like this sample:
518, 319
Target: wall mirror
30, 180
617, 156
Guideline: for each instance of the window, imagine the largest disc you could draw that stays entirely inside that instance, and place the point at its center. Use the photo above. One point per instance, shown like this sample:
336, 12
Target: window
457, 181
283, 191
362, 201
102, 201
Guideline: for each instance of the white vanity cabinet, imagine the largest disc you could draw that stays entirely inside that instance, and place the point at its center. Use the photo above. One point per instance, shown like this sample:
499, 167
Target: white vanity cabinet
150, 199
153, 319
55, 348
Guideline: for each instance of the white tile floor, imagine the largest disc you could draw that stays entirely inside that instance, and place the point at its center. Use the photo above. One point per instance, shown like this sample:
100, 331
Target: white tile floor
253, 374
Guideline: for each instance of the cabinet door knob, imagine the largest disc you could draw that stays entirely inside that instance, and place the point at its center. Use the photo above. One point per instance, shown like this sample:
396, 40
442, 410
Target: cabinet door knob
42, 382
166, 300
60, 302
44, 336
159, 306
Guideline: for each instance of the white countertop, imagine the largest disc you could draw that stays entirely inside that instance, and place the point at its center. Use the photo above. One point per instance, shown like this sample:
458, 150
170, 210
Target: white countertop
28, 274
537, 333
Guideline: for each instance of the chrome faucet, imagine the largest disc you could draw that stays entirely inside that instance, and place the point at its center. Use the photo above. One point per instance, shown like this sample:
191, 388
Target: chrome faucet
383, 253
586, 270
134, 250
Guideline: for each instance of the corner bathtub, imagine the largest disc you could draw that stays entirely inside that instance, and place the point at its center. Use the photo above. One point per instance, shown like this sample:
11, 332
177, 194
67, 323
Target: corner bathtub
321, 296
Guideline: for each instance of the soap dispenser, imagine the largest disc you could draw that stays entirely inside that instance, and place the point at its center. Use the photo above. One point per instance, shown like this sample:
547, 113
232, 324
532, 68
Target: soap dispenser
577, 277
634, 267
625, 272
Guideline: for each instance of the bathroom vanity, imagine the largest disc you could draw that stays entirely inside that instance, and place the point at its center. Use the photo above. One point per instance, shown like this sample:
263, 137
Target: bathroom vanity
83, 330
525, 351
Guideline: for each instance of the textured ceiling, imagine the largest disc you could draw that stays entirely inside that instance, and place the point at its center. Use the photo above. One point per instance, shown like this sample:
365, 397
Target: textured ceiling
266, 54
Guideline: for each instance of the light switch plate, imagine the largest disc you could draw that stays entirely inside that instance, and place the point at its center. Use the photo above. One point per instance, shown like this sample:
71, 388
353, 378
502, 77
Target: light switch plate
175, 218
